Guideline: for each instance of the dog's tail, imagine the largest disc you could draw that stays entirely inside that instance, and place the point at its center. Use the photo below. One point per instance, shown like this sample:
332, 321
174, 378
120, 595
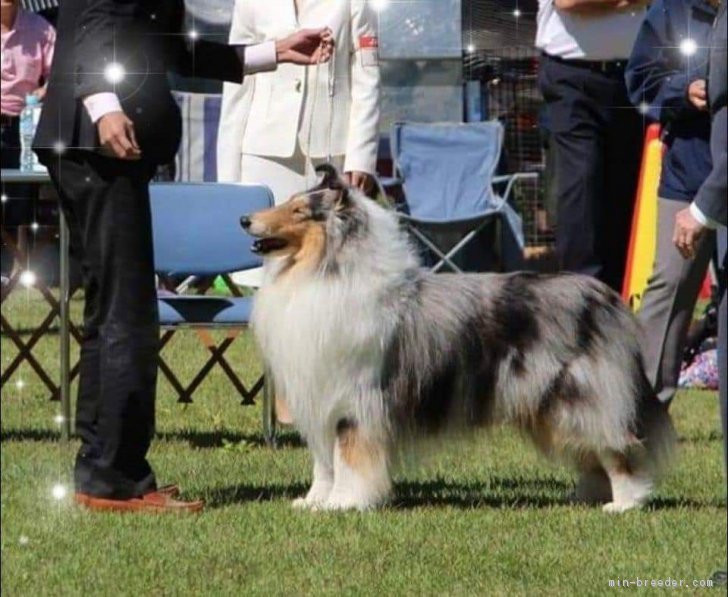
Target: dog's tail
655, 430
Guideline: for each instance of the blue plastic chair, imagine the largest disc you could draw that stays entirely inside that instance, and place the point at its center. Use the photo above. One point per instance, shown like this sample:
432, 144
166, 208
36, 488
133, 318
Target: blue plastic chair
447, 172
197, 233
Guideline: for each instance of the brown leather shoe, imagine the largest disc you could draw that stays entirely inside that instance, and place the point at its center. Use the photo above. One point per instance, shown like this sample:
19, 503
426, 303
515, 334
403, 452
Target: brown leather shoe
153, 501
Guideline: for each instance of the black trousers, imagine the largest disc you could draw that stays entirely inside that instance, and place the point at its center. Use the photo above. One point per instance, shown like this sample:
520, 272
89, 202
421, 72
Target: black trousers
106, 203
596, 136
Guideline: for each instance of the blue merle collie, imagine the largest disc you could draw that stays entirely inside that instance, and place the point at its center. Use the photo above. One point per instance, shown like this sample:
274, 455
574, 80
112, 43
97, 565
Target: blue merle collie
372, 353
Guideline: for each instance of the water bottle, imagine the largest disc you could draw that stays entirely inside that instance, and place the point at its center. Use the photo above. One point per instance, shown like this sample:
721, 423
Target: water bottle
28, 121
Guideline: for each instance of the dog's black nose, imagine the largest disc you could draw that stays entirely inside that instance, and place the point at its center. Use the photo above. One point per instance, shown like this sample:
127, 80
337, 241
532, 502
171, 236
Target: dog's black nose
245, 222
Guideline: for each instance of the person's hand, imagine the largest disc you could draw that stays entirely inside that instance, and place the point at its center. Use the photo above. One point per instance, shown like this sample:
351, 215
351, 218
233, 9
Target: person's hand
698, 94
307, 46
116, 134
40, 93
360, 180
687, 234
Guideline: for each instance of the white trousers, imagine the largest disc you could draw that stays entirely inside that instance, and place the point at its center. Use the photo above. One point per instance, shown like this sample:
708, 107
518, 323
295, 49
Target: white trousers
285, 177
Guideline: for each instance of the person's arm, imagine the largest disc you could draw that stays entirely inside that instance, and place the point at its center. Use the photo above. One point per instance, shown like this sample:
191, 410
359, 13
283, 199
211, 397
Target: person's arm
47, 47
656, 75
194, 57
712, 198
708, 209
98, 25
596, 7
102, 20
236, 100
363, 135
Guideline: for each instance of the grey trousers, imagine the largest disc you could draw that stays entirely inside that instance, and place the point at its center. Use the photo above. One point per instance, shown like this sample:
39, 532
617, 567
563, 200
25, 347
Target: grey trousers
669, 301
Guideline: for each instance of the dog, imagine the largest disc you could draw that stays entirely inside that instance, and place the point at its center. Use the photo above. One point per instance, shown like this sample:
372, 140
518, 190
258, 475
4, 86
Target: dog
374, 353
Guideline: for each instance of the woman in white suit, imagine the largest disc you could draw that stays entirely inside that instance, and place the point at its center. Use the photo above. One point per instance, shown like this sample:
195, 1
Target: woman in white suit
276, 127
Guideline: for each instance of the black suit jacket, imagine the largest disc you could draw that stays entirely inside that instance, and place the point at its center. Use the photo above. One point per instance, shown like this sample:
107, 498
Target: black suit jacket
711, 198
146, 38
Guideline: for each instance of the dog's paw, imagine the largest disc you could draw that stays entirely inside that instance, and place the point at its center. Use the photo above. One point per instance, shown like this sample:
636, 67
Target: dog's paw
342, 503
619, 507
301, 504
313, 500
342, 506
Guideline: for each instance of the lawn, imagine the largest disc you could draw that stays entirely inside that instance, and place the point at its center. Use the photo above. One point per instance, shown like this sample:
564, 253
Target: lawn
485, 517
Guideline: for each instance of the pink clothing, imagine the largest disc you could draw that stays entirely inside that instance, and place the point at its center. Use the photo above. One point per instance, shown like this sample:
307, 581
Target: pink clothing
27, 52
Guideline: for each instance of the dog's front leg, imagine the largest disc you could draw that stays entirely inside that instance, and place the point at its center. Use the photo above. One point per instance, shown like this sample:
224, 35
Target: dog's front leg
323, 478
361, 472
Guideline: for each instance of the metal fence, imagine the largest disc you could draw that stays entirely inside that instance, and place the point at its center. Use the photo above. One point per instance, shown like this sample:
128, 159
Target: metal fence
500, 56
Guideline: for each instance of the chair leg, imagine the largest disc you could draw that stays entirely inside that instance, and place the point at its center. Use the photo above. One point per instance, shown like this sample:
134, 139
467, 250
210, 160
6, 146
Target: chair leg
269, 415
444, 259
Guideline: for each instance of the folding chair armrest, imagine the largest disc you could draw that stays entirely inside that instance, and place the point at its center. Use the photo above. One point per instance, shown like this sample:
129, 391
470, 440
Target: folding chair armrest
385, 184
502, 178
511, 179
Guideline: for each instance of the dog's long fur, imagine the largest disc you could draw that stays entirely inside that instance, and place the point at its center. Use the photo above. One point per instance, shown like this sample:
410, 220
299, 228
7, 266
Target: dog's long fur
372, 352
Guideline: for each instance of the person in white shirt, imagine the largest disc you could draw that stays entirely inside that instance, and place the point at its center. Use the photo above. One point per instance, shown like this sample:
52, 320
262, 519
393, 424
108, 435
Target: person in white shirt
595, 132
276, 127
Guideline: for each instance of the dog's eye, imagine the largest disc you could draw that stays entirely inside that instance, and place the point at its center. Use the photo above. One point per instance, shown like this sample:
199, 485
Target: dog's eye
302, 211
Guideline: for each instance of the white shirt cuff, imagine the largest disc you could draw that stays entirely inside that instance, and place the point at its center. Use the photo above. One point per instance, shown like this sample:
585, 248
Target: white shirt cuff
100, 104
702, 218
260, 58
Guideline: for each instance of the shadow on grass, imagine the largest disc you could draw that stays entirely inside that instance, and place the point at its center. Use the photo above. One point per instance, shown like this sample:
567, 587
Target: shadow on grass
241, 494
218, 439
29, 435
496, 493
672, 503
701, 437
416, 494
196, 439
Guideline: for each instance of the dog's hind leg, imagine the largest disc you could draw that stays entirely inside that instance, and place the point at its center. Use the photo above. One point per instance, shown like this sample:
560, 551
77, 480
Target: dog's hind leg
631, 482
361, 472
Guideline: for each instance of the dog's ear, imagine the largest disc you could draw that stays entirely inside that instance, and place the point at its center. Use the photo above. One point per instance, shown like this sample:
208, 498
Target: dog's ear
334, 184
331, 178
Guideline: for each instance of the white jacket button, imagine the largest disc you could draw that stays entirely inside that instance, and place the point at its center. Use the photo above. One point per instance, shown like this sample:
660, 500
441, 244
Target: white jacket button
298, 85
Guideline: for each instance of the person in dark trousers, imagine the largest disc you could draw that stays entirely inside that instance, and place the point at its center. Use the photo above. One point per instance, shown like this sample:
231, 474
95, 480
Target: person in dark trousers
109, 119
710, 206
666, 76
596, 134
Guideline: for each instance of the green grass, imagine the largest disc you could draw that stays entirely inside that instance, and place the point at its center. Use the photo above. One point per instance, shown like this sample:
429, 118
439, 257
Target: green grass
486, 517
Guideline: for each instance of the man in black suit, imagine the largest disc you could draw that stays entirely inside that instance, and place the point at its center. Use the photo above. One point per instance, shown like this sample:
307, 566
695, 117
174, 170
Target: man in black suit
710, 207
108, 121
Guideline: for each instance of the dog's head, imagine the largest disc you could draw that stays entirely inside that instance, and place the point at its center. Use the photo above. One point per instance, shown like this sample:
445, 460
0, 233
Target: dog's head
303, 220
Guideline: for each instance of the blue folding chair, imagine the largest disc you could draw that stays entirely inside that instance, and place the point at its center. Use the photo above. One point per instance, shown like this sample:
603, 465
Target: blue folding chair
447, 173
197, 233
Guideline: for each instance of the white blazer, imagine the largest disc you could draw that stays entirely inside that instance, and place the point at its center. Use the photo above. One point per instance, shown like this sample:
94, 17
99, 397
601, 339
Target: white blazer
271, 111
